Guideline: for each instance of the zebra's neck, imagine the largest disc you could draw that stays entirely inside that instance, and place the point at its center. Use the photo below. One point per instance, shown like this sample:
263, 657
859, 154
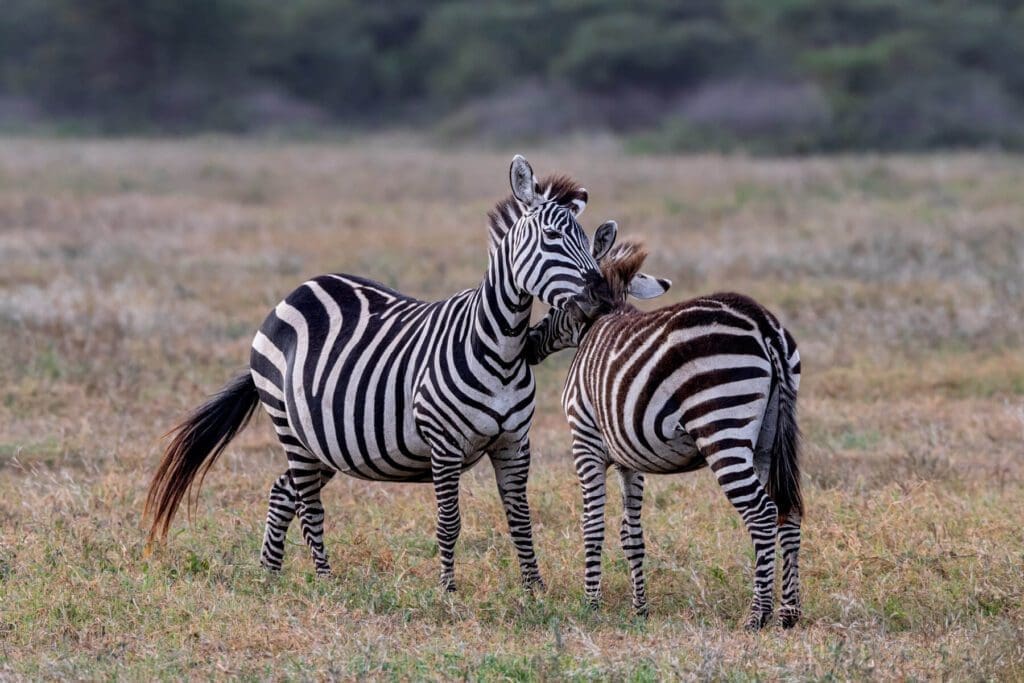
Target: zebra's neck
501, 316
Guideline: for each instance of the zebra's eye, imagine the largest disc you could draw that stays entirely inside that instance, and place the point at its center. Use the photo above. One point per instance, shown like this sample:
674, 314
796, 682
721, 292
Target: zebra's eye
553, 233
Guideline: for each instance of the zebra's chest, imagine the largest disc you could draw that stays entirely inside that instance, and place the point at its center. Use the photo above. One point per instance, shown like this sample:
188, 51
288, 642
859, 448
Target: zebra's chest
485, 413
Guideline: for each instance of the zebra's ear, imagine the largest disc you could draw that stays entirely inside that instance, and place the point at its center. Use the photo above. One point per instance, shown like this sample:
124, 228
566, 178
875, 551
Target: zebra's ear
604, 238
643, 286
579, 202
524, 183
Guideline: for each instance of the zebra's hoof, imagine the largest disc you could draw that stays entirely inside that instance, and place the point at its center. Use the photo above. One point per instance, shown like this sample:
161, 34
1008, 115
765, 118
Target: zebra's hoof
448, 585
757, 621
324, 573
535, 585
642, 611
788, 616
272, 568
593, 602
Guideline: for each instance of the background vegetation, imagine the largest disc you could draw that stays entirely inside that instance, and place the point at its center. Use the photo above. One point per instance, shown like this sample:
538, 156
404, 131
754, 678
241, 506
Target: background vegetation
132, 277
786, 76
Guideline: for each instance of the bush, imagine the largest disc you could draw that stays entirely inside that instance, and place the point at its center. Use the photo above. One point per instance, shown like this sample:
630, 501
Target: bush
776, 76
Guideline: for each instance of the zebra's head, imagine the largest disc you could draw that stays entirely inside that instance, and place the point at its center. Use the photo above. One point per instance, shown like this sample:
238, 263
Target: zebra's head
551, 257
620, 265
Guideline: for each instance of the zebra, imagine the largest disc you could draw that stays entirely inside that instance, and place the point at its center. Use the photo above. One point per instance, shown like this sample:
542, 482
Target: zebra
707, 382
359, 378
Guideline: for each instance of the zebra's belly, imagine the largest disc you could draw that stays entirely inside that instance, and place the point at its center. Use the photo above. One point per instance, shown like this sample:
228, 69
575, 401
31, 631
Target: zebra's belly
654, 455
381, 470
382, 455
355, 426
381, 446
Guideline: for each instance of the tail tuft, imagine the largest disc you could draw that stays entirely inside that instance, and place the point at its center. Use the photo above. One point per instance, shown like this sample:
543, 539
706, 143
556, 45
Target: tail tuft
198, 440
784, 474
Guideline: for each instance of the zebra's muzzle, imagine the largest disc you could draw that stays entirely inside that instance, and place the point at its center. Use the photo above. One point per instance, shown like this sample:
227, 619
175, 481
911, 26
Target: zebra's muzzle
595, 299
584, 309
575, 311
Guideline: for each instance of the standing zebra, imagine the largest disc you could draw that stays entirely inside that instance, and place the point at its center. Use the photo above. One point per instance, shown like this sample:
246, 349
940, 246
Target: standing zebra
708, 382
361, 379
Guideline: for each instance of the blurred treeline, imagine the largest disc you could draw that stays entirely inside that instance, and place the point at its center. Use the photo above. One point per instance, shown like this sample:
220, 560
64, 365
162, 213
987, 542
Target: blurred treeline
765, 75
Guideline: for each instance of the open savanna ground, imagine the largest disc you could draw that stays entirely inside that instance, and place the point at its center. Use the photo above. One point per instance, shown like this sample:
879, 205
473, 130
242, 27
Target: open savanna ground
133, 274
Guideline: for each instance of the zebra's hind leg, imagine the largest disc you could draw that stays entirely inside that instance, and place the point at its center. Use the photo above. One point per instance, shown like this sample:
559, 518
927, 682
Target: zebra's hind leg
789, 542
307, 479
280, 511
733, 466
632, 534
511, 470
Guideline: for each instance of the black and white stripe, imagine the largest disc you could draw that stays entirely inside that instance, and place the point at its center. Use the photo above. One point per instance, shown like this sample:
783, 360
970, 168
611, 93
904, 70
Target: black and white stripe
361, 379
709, 382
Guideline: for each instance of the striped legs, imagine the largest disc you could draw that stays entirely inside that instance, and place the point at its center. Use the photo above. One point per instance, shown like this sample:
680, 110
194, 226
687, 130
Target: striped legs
591, 470
789, 541
511, 469
307, 478
446, 467
296, 492
734, 469
280, 512
308, 484
632, 534
284, 504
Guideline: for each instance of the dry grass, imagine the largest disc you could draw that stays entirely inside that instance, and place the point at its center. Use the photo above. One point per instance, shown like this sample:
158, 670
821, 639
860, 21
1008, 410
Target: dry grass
132, 275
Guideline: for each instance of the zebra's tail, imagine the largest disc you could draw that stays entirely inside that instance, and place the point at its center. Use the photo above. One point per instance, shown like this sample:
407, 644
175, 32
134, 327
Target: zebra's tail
784, 473
198, 440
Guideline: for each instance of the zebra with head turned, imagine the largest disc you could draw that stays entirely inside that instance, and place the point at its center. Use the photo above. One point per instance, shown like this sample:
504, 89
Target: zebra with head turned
361, 379
708, 382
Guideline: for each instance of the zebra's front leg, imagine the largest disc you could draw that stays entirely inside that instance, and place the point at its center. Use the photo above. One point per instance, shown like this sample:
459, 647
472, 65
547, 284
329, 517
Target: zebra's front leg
591, 469
632, 534
308, 478
511, 471
789, 542
446, 468
734, 469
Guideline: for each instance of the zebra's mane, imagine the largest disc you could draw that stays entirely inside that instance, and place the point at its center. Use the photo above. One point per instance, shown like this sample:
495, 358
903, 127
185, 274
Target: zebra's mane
621, 265
557, 188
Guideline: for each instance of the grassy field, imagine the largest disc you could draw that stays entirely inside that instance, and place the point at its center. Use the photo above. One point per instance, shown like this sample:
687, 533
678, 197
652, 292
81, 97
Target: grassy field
133, 274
